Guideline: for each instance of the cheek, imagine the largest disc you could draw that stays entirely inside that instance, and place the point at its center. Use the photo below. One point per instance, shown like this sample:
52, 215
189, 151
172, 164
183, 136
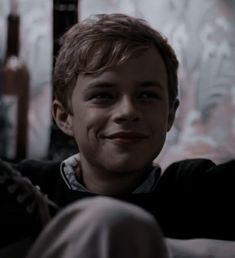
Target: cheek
88, 124
159, 131
158, 122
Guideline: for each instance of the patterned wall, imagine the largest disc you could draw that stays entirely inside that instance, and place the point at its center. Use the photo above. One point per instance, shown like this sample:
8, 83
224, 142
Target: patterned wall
203, 36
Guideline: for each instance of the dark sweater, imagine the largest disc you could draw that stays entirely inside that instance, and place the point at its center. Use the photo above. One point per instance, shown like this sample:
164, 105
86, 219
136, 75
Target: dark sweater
193, 199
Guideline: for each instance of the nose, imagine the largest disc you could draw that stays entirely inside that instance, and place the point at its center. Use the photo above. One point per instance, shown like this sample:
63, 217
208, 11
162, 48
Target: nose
126, 110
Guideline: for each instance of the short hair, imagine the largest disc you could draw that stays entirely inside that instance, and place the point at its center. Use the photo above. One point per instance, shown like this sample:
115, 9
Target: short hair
103, 41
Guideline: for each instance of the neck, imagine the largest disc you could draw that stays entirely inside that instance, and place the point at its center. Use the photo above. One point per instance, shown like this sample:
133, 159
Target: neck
101, 181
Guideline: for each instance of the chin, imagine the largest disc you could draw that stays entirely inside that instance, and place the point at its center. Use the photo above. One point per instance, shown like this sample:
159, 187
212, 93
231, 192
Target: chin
124, 167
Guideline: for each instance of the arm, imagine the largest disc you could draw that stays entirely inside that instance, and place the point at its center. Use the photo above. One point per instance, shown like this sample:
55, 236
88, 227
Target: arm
200, 196
22, 206
201, 248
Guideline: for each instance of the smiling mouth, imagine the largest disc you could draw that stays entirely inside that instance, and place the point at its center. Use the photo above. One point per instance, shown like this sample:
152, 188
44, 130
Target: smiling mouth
126, 137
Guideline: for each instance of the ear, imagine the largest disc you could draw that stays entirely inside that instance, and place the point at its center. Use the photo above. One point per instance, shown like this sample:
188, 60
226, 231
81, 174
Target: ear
62, 118
172, 111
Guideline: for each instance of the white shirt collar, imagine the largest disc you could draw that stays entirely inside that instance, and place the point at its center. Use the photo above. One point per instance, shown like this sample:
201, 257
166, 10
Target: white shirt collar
71, 178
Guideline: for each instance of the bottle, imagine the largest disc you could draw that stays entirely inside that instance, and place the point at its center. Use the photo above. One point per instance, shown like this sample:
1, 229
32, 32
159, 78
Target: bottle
2, 113
15, 92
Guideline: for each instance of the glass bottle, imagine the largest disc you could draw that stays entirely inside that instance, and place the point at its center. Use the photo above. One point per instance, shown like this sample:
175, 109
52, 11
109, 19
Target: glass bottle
15, 92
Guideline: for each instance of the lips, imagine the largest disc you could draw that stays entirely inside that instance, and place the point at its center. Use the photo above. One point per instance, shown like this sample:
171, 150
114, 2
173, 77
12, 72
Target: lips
126, 137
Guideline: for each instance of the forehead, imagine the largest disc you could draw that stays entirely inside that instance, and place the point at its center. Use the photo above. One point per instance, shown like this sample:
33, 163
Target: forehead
145, 66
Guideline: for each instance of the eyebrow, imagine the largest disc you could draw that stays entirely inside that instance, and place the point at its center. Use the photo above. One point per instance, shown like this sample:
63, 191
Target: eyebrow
155, 84
101, 84
107, 84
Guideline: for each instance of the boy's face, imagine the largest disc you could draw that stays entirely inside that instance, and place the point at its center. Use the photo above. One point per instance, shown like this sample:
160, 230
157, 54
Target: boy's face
121, 117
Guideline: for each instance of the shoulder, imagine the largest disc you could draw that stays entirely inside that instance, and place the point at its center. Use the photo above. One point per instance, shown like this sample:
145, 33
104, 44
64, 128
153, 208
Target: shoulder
197, 173
36, 166
188, 167
191, 164
40, 172
205, 167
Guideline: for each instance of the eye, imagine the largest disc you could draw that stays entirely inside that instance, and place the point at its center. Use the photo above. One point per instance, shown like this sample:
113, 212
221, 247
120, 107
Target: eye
102, 97
148, 95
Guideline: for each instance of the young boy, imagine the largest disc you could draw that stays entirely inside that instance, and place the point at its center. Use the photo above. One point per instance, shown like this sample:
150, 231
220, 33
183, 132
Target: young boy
115, 92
